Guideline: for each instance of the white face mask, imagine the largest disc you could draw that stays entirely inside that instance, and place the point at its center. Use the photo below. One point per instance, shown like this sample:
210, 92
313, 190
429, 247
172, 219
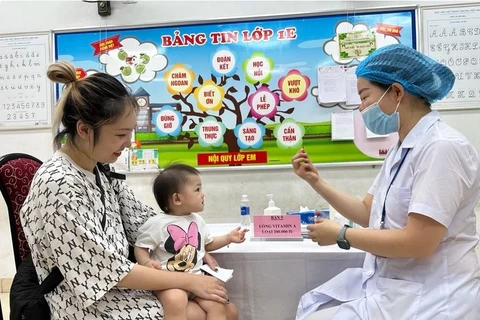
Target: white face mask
378, 121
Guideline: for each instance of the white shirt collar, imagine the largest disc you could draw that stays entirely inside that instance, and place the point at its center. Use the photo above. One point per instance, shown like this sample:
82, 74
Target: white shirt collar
420, 128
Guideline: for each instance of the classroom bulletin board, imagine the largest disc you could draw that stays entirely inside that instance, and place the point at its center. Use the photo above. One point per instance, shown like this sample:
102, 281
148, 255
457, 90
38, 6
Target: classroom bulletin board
240, 93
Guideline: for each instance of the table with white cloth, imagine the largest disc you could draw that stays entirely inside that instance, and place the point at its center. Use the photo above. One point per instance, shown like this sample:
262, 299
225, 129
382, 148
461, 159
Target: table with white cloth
271, 276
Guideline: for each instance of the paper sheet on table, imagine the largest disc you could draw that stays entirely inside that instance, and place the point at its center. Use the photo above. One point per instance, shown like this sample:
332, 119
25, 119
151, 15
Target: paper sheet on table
331, 84
221, 273
342, 126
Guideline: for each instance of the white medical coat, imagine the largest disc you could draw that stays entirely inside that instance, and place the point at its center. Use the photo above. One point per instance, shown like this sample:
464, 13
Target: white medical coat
439, 179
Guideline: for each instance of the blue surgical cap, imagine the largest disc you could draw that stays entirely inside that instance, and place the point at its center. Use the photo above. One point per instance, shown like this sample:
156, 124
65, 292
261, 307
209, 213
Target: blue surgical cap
419, 75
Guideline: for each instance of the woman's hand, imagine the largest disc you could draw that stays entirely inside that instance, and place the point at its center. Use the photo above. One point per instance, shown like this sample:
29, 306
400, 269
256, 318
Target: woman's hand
208, 287
324, 232
210, 260
303, 167
237, 235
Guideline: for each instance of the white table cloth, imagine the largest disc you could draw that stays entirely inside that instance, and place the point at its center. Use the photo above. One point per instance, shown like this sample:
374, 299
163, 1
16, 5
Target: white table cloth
271, 276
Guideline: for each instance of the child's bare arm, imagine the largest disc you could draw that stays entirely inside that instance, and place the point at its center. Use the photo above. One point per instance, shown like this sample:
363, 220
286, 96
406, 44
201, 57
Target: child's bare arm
143, 257
235, 236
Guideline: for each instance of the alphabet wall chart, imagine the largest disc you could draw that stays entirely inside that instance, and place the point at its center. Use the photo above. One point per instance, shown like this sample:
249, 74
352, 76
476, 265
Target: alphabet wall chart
25, 92
240, 93
451, 35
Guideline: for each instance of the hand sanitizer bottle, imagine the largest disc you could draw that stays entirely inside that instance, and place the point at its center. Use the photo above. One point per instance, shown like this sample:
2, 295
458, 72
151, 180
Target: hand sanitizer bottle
272, 210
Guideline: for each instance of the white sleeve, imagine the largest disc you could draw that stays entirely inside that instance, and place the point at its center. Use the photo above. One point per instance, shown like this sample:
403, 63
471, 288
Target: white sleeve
375, 183
204, 229
149, 234
208, 236
444, 172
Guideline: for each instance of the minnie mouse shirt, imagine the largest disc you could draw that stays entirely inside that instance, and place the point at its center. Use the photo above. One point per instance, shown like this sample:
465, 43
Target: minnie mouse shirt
178, 242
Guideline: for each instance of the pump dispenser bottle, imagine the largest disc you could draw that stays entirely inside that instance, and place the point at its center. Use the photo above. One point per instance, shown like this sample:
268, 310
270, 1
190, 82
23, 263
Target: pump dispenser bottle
272, 210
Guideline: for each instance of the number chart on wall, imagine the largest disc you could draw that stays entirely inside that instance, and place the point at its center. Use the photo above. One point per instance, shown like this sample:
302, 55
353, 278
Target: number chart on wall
451, 35
25, 92
240, 93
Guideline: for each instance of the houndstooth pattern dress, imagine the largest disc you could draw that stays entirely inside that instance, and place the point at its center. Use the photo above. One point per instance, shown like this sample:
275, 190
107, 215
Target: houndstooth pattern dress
61, 218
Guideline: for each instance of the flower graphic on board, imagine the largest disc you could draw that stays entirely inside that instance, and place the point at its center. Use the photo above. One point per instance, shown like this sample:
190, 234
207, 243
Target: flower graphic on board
167, 121
249, 134
258, 68
224, 62
289, 134
209, 96
264, 102
294, 86
210, 132
179, 79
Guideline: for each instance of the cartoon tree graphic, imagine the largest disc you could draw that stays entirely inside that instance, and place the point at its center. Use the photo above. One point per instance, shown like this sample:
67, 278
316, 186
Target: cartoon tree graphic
231, 104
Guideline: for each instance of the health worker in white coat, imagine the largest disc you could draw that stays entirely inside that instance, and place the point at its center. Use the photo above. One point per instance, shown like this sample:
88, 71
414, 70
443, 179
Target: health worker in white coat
420, 261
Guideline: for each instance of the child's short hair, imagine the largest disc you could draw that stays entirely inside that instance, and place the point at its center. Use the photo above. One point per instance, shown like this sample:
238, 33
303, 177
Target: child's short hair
170, 181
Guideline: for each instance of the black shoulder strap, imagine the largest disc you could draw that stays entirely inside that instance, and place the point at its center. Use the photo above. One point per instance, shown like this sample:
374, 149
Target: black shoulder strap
105, 169
102, 195
51, 281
